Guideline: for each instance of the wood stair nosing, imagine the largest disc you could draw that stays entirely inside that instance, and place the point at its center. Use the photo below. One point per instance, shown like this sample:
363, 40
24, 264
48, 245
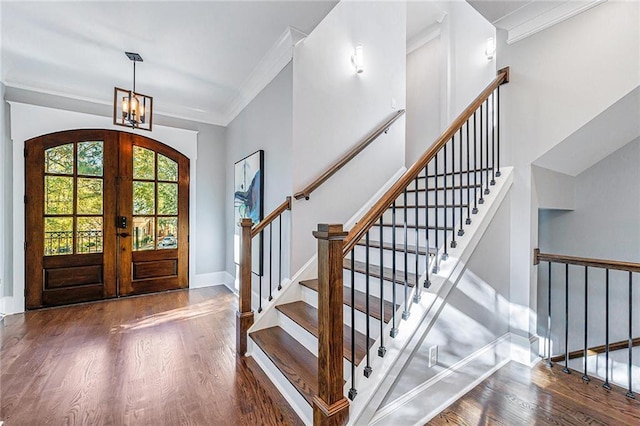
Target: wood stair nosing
360, 301
387, 273
398, 247
306, 316
296, 362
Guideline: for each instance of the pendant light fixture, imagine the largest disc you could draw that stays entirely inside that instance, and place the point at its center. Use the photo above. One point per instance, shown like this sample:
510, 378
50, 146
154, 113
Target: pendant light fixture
130, 108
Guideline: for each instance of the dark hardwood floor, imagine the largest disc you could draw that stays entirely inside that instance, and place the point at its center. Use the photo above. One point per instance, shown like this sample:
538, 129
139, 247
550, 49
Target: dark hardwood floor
517, 395
162, 359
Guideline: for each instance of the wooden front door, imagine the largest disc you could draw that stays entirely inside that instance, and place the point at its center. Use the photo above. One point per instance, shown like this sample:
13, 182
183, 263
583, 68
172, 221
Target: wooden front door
106, 215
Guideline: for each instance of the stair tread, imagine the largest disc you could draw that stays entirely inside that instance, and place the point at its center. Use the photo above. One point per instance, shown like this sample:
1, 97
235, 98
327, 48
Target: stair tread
399, 247
295, 361
374, 302
374, 271
306, 316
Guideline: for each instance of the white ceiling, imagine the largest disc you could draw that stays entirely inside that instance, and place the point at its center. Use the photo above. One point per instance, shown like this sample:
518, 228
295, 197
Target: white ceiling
197, 54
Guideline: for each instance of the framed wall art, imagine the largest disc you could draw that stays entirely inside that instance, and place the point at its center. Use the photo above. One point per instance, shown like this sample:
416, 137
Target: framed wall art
248, 201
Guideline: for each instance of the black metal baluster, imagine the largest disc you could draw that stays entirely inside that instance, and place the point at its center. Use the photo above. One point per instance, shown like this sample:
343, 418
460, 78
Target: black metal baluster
460, 231
468, 221
548, 342
280, 252
427, 283
270, 263
486, 151
498, 135
445, 255
630, 393
475, 164
416, 293
353, 392
493, 138
394, 328
481, 200
606, 384
381, 350
585, 376
367, 369
566, 320
435, 194
405, 313
453, 193
259, 293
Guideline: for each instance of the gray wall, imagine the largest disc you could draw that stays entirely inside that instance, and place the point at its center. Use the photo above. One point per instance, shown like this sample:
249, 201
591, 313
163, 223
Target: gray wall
266, 123
475, 314
6, 202
605, 224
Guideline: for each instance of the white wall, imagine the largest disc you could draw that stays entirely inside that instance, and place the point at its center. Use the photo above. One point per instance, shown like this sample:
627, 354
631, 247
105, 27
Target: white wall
554, 190
266, 123
469, 71
424, 105
28, 121
475, 314
561, 78
603, 225
334, 108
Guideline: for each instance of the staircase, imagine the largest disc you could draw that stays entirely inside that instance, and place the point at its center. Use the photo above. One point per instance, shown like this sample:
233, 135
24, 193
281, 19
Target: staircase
387, 278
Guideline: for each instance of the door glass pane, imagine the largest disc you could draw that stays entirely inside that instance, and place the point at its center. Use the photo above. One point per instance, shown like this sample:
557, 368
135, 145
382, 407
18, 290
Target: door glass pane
89, 196
144, 198
167, 198
58, 195
167, 232
90, 156
144, 163
58, 235
143, 233
59, 159
167, 169
89, 235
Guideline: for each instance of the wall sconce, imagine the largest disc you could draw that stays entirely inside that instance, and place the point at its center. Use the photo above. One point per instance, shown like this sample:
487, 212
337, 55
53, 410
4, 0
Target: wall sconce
132, 109
490, 51
358, 59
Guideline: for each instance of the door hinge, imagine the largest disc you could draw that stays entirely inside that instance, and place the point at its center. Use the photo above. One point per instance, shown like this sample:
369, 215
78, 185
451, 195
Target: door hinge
25, 152
25, 245
25, 199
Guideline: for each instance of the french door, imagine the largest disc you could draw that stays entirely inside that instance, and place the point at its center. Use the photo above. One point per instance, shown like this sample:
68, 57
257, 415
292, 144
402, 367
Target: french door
107, 215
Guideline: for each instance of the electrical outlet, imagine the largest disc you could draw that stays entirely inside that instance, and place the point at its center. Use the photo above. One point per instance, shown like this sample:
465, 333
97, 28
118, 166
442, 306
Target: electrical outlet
433, 355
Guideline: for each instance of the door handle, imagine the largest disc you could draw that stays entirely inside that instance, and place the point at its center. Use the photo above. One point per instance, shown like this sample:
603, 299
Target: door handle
123, 234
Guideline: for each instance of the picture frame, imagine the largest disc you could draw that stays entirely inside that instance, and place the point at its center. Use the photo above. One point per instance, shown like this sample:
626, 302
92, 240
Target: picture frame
248, 201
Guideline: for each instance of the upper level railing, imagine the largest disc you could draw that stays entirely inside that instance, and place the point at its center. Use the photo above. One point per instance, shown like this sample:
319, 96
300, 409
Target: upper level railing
306, 192
581, 284
249, 231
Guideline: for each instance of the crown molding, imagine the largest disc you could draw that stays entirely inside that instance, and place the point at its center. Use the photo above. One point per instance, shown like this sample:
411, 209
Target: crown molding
267, 69
428, 34
537, 16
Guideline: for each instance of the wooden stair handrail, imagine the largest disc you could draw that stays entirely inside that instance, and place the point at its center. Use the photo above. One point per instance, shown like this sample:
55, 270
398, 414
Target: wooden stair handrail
258, 227
373, 215
347, 157
584, 261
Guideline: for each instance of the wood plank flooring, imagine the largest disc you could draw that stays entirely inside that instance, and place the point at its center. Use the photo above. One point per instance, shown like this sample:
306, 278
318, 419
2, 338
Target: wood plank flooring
517, 395
163, 359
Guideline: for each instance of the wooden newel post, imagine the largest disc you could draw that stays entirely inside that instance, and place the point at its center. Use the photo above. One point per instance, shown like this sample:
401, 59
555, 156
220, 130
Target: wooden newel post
244, 316
330, 407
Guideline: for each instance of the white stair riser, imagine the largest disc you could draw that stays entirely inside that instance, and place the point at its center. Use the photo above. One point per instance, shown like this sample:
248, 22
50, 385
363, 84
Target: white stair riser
411, 236
311, 297
374, 285
388, 256
305, 338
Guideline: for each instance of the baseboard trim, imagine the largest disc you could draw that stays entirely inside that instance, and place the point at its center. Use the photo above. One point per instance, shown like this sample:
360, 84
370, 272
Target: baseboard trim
212, 279
500, 345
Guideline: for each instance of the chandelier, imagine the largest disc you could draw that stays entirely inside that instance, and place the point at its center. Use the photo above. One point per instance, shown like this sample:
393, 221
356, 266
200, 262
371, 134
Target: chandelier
130, 108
